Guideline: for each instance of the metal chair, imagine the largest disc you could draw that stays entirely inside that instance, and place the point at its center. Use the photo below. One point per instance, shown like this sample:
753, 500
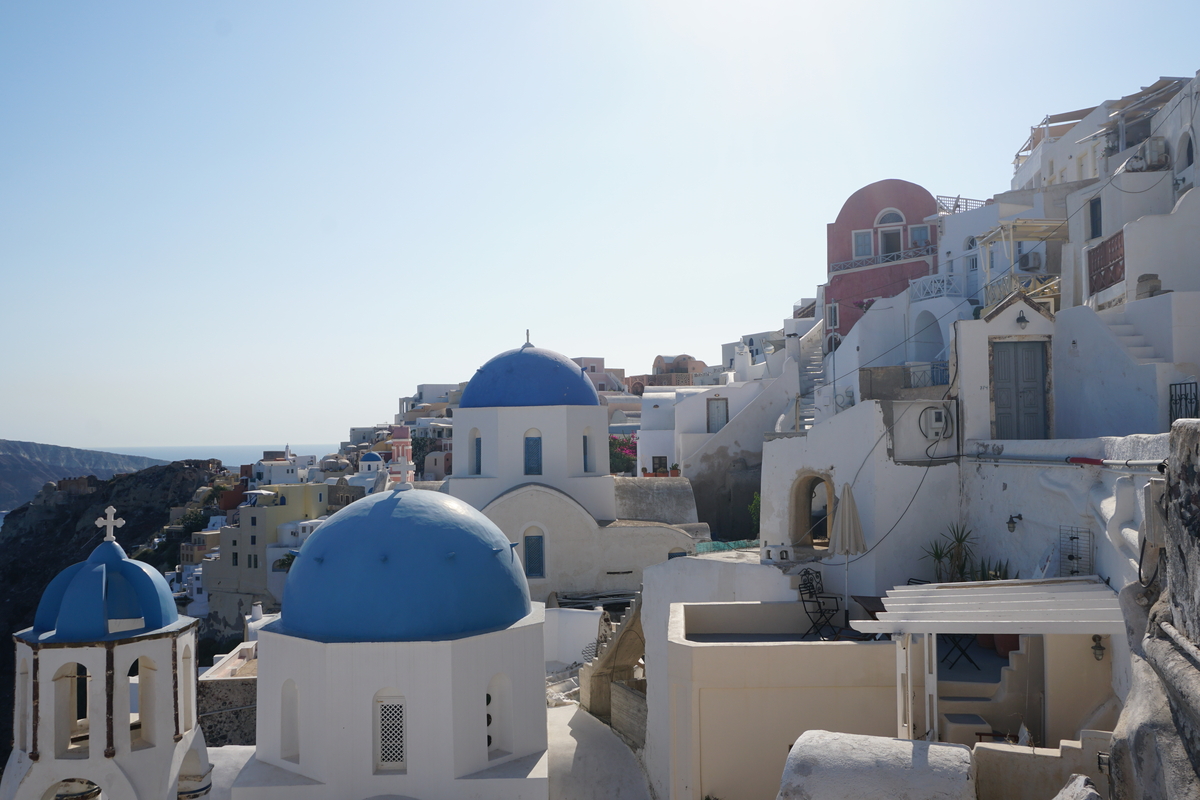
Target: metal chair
820, 608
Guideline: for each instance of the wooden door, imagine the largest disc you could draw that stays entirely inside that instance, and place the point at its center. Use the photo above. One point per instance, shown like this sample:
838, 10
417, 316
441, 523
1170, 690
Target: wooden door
1019, 389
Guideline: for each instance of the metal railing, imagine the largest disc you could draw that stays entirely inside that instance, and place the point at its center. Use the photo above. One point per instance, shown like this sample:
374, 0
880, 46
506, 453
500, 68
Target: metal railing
1032, 285
884, 258
1184, 401
953, 205
931, 286
931, 373
1106, 263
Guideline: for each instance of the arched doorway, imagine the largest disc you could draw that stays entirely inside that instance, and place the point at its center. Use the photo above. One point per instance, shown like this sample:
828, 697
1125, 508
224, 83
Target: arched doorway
811, 500
928, 344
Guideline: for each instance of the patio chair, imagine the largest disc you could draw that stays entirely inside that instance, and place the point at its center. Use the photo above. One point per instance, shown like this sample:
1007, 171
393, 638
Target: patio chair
820, 608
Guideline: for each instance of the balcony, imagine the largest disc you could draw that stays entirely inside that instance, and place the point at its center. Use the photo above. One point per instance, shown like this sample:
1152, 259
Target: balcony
921, 375
931, 286
884, 258
947, 205
1106, 263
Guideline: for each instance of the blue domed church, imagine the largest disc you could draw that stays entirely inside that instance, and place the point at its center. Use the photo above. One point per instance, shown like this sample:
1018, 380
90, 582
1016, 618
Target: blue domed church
535, 433
106, 688
407, 661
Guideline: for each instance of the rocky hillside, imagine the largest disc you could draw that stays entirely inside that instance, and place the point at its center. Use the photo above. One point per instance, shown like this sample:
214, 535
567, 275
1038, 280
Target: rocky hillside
57, 529
26, 466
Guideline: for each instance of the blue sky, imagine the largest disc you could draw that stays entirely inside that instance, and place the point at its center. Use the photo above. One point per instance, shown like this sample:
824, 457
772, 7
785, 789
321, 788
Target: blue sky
224, 223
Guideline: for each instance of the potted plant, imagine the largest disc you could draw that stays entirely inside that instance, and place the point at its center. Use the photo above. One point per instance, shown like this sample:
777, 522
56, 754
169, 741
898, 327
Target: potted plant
674, 470
645, 472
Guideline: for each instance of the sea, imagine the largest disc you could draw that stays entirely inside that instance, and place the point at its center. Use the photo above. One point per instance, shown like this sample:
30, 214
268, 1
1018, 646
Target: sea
232, 456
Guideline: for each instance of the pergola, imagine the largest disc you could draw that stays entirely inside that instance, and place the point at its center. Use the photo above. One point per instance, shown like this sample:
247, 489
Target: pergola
1081, 605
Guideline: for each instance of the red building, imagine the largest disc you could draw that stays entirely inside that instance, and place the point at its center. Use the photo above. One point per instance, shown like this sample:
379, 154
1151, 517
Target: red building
880, 241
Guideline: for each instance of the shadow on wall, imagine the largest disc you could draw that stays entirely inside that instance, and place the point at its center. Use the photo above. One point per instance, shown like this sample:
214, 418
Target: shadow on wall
723, 497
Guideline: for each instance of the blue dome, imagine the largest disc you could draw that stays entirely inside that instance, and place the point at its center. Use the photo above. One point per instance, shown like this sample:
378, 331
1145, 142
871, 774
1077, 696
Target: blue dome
401, 566
372, 456
79, 603
529, 376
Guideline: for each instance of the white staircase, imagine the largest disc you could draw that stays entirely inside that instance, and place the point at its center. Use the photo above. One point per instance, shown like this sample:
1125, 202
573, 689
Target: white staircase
1127, 335
812, 376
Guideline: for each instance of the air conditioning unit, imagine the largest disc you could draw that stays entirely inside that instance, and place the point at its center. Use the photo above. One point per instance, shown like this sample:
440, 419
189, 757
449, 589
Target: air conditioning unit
1031, 262
1154, 152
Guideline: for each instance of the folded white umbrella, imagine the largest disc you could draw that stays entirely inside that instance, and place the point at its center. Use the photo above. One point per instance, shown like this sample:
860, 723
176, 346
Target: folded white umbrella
846, 537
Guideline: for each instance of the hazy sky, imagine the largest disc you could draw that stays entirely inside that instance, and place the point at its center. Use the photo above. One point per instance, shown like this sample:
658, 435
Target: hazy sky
226, 223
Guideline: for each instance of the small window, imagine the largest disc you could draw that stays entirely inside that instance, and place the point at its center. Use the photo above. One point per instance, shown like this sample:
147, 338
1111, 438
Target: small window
478, 470
601, 387
320, 497
918, 236
235, 560
586, 467
533, 455
890, 218
972, 263
862, 244
831, 315
535, 556
389, 734
283, 500
658, 463
1095, 219
254, 521
679, 554
233, 543
592, 368
253, 539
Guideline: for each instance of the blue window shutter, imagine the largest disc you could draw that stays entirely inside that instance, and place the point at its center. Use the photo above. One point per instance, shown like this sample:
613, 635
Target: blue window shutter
533, 455
535, 557
478, 455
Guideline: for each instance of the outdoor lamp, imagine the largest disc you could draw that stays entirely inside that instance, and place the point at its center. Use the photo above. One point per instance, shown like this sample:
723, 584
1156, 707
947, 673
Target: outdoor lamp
1012, 522
1021, 321
1097, 648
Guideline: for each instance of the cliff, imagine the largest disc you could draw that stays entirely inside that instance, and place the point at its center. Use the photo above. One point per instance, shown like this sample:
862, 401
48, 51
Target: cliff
58, 529
26, 466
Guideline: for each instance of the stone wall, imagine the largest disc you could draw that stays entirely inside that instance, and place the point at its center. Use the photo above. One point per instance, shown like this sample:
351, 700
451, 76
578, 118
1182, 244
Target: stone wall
227, 710
629, 711
1156, 744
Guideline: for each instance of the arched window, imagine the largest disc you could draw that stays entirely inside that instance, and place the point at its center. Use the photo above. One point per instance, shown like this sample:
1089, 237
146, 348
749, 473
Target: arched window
283, 499
388, 719
534, 545
890, 216
142, 707
1185, 154
499, 717
476, 453
187, 687
289, 722
533, 452
588, 466
71, 711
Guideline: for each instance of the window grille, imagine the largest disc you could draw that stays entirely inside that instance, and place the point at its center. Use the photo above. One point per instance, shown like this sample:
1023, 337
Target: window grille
391, 734
533, 455
535, 557
1074, 551
1184, 401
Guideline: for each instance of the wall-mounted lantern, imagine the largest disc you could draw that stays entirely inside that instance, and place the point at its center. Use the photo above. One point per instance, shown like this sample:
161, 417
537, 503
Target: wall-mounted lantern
1012, 522
1097, 648
1021, 321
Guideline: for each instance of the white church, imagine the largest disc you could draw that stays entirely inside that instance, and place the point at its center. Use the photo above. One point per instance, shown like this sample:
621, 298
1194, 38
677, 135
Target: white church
407, 662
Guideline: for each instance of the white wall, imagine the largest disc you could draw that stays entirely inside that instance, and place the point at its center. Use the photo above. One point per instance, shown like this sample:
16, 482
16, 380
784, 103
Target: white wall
444, 686
689, 580
568, 631
562, 428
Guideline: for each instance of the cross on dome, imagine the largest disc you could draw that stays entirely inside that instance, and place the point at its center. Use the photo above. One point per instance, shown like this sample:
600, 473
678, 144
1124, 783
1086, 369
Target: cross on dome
109, 521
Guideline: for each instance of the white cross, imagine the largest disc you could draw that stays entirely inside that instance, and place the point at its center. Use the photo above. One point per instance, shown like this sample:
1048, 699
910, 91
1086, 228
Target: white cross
109, 521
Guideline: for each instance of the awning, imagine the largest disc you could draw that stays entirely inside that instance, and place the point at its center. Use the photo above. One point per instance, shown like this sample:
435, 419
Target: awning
1056, 605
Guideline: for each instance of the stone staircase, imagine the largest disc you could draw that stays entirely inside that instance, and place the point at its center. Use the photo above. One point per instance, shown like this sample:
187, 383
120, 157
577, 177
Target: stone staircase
967, 707
812, 376
1127, 335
